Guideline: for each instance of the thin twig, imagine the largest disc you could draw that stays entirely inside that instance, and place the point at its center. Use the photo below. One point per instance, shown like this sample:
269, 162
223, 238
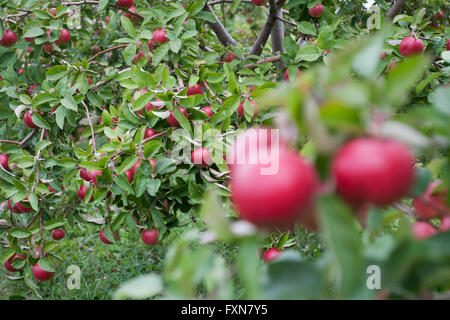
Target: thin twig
107, 50
268, 59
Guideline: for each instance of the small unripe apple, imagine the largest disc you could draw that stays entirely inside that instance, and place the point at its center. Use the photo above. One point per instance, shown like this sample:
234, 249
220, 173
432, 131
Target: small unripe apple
259, 2
228, 57
411, 46
271, 254
371, 170
316, 11
4, 159
173, 121
201, 157
423, 230
58, 234
125, 4
240, 109
8, 263
41, 274
108, 19
150, 237
159, 36
9, 38
433, 203
149, 132
208, 111
249, 20
195, 89
286, 74
103, 237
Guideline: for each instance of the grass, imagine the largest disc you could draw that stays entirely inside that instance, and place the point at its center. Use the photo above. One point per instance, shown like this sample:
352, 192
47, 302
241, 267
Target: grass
104, 267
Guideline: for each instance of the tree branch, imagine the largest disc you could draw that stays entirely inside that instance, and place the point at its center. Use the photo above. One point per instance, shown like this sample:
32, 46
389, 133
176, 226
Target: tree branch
222, 34
105, 51
395, 9
267, 28
268, 59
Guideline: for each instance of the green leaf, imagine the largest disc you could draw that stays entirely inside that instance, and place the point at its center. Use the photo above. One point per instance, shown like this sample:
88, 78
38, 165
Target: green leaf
175, 45
60, 117
128, 53
307, 28
184, 123
45, 264
326, 38
56, 72
160, 53
142, 287
127, 26
309, 53
127, 164
19, 233
40, 121
43, 98
33, 32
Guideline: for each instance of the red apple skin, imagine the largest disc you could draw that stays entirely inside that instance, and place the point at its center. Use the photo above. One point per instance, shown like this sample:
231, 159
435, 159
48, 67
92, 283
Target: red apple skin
93, 174
153, 163
448, 44
130, 176
95, 49
8, 263
195, 89
423, 230
135, 167
31, 88
84, 174
58, 234
275, 200
445, 224
150, 237
18, 207
150, 45
240, 109
149, 132
208, 111
40, 274
259, 2
103, 237
434, 200
375, 171
139, 56
4, 159
316, 11
148, 107
382, 55
52, 11
9, 38
439, 15
159, 36
411, 46
173, 121
230, 56
125, 4
82, 193
271, 254
201, 157
286, 74
27, 119
64, 36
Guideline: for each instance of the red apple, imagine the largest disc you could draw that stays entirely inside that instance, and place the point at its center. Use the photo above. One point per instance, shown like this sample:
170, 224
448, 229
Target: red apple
41, 274
130, 176
286, 74
228, 57
259, 2
240, 109
410, 46
316, 11
433, 204
376, 171
439, 15
8, 263
423, 230
150, 237
445, 224
103, 237
159, 36
195, 89
125, 4
149, 132
150, 45
139, 55
64, 36
271, 254
448, 44
27, 119
58, 234
95, 49
173, 121
52, 11
208, 111
275, 189
4, 159
201, 157
9, 38
382, 55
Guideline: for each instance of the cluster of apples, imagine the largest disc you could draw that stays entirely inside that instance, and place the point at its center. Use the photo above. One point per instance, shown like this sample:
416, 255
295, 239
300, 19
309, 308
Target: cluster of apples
431, 205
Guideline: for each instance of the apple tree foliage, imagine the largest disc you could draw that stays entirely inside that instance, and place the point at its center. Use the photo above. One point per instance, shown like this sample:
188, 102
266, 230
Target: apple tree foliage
89, 105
